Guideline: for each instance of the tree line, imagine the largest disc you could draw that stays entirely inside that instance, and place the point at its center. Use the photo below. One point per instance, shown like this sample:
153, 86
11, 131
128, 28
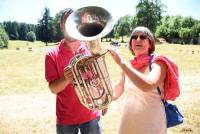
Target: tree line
47, 30
174, 29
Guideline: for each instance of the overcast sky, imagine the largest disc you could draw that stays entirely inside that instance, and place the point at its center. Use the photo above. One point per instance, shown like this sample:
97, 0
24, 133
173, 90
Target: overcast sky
30, 11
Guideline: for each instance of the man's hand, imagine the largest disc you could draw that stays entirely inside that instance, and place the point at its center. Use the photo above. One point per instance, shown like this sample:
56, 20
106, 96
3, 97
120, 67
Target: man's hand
68, 74
104, 111
59, 85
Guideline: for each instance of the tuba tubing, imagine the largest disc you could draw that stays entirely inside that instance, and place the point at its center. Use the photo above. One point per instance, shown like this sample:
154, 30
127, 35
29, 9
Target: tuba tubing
95, 91
90, 74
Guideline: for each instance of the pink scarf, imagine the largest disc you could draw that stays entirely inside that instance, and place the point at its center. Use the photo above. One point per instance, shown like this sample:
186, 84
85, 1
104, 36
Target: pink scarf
171, 83
140, 61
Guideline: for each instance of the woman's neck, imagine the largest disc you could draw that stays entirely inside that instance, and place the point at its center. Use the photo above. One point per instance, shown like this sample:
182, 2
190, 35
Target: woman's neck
141, 55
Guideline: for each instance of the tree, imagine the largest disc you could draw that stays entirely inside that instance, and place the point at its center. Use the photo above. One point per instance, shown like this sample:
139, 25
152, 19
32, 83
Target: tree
45, 28
195, 32
133, 22
185, 34
3, 38
149, 13
56, 23
31, 36
18, 31
175, 24
110, 35
178, 29
31, 27
12, 29
23, 29
123, 26
162, 30
188, 22
169, 28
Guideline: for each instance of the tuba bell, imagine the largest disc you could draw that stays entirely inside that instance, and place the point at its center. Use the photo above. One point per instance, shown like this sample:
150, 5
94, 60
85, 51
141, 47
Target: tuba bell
90, 75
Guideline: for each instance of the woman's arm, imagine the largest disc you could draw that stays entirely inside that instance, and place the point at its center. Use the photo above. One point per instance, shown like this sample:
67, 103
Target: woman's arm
142, 81
119, 87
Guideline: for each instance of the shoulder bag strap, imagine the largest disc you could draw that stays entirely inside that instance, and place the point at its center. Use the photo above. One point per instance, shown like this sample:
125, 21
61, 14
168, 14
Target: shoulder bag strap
150, 68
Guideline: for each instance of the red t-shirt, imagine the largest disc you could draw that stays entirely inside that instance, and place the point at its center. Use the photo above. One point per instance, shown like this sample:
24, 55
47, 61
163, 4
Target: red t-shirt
69, 110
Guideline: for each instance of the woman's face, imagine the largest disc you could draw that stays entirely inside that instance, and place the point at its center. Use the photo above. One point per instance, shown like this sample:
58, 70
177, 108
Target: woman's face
140, 44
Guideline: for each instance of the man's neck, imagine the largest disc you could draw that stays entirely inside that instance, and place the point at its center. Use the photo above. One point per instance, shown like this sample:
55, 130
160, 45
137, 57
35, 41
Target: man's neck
72, 45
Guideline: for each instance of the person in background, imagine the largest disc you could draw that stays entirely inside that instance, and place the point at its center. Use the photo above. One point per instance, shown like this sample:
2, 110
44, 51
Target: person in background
144, 111
72, 116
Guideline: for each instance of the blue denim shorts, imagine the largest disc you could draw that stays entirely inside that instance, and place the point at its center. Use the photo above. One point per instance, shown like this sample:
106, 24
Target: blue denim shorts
91, 127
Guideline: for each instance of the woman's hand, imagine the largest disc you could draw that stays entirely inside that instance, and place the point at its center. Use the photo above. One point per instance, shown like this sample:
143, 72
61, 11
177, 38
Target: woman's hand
115, 56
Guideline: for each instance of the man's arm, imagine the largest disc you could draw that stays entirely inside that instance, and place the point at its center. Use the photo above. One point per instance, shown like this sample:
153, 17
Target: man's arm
60, 84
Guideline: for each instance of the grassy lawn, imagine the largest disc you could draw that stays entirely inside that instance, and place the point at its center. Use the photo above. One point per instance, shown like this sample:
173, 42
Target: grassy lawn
27, 105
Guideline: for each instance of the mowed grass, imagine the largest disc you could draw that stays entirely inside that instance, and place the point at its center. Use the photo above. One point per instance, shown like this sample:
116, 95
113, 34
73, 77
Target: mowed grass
22, 78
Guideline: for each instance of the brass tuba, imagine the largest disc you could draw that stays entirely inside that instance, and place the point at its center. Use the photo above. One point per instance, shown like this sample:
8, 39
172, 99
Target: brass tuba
90, 75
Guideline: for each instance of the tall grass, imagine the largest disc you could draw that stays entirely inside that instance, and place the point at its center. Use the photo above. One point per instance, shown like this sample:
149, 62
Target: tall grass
22, 76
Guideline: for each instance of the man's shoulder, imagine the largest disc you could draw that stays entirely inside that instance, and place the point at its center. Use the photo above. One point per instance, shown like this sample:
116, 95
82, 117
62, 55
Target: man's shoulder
54, 50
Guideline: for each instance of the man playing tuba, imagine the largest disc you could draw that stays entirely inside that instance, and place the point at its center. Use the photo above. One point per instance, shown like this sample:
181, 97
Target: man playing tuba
71, 115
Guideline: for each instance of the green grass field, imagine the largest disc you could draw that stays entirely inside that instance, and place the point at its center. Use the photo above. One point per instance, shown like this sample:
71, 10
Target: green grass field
27, 105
